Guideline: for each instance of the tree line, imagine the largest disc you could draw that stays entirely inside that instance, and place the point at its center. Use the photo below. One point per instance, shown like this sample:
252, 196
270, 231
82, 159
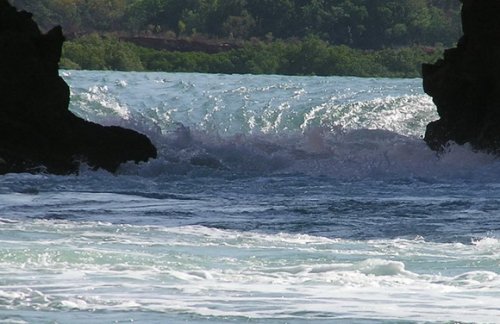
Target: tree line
382, 38
309, 56
363, 24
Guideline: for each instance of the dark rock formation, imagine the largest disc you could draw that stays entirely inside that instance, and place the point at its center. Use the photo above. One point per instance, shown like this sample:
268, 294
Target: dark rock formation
465, 85
37, 131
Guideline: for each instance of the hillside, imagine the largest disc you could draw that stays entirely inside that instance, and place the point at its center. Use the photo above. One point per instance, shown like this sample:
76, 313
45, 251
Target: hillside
367, 24
232, 26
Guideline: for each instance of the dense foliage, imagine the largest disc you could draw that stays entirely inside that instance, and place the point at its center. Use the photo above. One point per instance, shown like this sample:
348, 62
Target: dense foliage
300, 37
310, 56
367, 24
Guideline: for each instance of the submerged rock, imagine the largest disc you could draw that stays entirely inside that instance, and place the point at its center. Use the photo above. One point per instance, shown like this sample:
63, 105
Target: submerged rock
37, 130
465, 84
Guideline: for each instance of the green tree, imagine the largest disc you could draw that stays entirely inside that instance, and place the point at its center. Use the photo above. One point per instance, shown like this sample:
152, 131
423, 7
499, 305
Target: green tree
272, 16
93, 52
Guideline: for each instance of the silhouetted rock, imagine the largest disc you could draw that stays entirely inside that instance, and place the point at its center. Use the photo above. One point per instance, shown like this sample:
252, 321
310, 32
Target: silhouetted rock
37, 131
465, 85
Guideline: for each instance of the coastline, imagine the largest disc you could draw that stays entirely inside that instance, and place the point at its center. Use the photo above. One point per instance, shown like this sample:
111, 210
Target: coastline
310, 56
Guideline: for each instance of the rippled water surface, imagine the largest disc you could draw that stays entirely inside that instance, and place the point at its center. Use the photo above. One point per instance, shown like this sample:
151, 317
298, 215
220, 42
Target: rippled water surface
273, 200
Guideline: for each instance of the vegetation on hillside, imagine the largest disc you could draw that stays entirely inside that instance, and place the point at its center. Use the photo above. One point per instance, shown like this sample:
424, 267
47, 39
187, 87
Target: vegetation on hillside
310, 56
355, 37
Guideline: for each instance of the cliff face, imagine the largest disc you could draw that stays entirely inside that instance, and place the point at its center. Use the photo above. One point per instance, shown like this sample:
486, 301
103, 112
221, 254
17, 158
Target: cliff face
37, 131
465, 85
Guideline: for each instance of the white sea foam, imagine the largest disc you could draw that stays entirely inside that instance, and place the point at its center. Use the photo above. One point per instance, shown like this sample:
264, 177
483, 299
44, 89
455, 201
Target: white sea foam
215, 272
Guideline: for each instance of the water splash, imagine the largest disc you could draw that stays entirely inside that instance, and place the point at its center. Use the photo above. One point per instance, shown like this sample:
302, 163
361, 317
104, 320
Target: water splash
343, 127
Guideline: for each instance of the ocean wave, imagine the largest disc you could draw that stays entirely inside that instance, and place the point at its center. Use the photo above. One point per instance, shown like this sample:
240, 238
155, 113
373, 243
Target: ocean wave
223, 109
346, 128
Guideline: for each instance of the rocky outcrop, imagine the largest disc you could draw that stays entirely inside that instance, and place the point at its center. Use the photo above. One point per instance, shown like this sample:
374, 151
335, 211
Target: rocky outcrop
37, 130
465, 85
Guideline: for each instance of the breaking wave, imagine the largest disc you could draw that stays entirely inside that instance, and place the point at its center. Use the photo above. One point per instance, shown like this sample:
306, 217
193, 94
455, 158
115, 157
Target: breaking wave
341, 127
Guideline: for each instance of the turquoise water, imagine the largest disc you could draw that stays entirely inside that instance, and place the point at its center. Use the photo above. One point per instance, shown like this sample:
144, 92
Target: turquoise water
274, 200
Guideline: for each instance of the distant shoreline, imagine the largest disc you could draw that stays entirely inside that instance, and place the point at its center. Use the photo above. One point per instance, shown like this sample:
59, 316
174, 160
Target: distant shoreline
309, 56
